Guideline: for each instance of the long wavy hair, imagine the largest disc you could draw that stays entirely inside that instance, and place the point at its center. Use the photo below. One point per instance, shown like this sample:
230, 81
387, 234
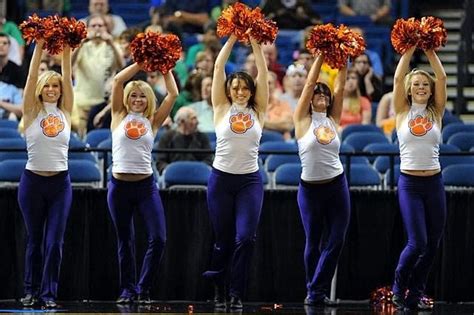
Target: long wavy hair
149, 94
430, 106
247, 78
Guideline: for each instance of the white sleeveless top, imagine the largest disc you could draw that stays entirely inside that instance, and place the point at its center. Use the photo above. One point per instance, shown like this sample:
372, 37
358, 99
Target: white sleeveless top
47, 140
132, 143
237, 140
319, 150
419, 140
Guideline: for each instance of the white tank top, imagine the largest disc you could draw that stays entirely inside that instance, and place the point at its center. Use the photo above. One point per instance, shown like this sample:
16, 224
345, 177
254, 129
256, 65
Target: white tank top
319, 150
47, 140
419, 140
132, 143
237, 140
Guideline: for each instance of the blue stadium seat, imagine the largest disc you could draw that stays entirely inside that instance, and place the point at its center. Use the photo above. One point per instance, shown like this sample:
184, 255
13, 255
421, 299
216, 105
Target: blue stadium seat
446, 161
355, 160
288, 175
187, 173
273, 161
268, 135
13, 143
360, 139
11, 170
96, 136
396, 176
454, 128
6, 123
463, 140
364, 175
382, 163
459, 175
106, 144
7, 132
84, 172
88, 156
380, 148
211, 136
75, 142
359, 128
277, 146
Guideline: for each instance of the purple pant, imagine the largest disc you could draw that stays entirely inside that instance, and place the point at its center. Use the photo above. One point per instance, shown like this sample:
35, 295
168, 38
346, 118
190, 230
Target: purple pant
123, 199
323, 206
45, 202
235, 204
423, 208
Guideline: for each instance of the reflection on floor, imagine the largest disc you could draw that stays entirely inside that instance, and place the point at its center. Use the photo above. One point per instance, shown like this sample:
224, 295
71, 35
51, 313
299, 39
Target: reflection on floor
183, 307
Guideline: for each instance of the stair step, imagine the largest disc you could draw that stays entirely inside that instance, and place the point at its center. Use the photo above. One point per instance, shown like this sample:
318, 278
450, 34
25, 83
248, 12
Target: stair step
452, 25
468, 92
445, 13
449, 68
444, 57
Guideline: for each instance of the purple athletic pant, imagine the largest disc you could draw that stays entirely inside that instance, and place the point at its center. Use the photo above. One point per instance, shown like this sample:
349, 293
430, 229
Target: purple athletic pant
323, 206
423, 208
45, 202
235, 203
124, 198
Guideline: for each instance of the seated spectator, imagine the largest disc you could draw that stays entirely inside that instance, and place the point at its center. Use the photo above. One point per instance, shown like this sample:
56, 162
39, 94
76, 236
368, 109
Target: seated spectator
188, 16
270, 52
385, 117
279, 115
377, 10
370, 85
190, 93
296, 14
11, 101
203, 108
356, 109
217, 10
155, 23
115, 23
294, 81
10, 72
303, 57
12, 30
374, 56
185, 136
209, 40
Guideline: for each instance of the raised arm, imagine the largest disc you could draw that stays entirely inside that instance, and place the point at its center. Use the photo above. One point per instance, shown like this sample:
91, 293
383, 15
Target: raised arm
117, 87
68, 94
399, 98
261, 94
303, 110
31, 81
440, 94
338, 94
218, 95
167, 103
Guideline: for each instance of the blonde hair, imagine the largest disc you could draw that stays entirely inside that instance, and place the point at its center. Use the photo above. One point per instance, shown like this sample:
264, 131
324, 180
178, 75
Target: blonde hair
149, 94
42, 81
430, 106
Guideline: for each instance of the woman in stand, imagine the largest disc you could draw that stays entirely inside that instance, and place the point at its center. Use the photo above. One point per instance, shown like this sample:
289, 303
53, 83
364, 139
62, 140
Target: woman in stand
235, 188
132, 186
323, 194
419, 101
45, 193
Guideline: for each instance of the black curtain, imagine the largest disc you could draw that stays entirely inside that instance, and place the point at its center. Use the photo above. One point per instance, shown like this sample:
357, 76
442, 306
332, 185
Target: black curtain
373, 245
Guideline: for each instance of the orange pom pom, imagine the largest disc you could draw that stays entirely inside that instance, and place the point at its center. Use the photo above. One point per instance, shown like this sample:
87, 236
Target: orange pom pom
32, 28
156, 52
74, 31
262, 29
405, 34
53, 35
433, 34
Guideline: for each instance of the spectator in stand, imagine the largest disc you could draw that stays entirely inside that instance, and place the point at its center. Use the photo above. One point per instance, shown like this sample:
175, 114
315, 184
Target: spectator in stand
96, 62
209, 38
370, 85
11, 29
279, 115
374, 56
377, 10
203, 108
191, 92
303, 57
296, 14
356, 109
10, 72
185, 136
294, 83
188, 16
115, 23
385, 118
11, 102
270, 52
217, 10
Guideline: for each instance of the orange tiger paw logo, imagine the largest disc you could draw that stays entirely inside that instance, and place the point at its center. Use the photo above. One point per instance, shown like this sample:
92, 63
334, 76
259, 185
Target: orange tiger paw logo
51, 125
324, 134
240, 122
419, 126
134, 129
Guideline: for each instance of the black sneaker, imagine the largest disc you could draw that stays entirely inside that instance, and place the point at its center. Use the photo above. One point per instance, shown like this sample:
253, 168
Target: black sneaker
419, 305
219, 296
28, 300
144, 298
50, 304
398, 301
325, 301
236, 303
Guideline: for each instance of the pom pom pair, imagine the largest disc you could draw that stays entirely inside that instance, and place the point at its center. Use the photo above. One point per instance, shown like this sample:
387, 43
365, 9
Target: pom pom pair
242, 21
155, 51
337, 44
428, 34
55, 31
